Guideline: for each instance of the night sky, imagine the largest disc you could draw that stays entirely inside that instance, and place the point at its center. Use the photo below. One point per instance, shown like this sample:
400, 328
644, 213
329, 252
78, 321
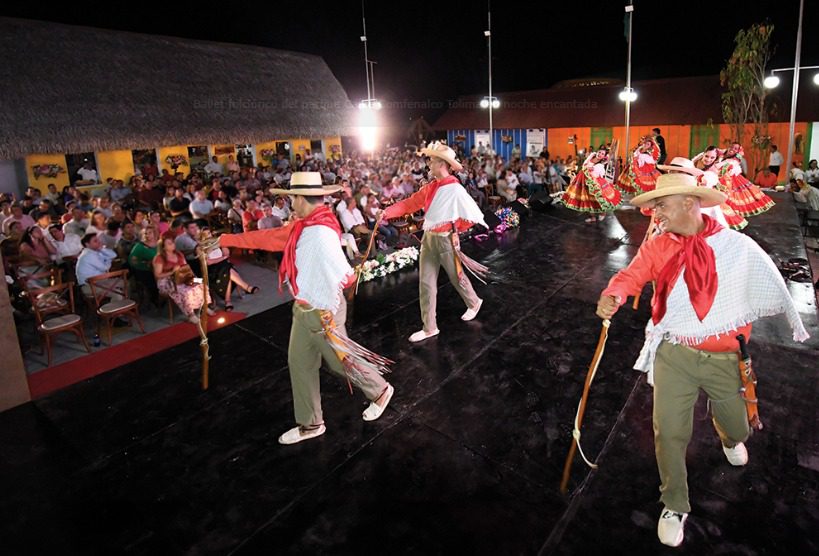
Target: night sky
430, 52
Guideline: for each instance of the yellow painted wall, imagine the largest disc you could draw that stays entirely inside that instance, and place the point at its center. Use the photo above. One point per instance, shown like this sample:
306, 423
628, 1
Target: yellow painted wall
298, 147
271, 145
61, 180
223, 158
329, 142
115, 164
163, 152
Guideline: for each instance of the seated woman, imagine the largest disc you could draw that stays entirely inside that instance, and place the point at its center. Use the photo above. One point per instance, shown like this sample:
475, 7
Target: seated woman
140, 261
168, 265
36, 252
235, 217
156, 221
221, 272
98, 223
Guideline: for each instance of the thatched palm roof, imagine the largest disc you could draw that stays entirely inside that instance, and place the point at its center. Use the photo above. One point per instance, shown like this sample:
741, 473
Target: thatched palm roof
68, 89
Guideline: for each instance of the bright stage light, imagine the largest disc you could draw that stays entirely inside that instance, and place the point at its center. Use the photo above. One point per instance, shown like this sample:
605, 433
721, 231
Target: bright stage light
368, 129
495, 103
220, 320
485, 103
627, 95
771, 82
816, 78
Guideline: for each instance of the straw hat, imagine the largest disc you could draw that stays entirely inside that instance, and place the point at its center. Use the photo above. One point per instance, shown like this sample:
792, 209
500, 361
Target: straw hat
680, 164
439, 150
680, 184
306, 183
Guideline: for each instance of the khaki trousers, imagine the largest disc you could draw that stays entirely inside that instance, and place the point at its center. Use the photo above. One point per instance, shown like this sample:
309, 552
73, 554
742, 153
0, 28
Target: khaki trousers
308, 346
679, 373
436, 252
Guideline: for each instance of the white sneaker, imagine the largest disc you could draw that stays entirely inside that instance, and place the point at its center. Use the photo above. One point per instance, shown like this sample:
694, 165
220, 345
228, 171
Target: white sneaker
670, 527
738, 455
472, 313
193, 319
423, 335
211, 312
296, 435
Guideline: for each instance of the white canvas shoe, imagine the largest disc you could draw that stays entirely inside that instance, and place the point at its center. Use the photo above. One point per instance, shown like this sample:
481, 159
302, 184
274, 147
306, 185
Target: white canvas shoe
738, 455
472, 313
374, 410
422, 335
296, 435
670, 527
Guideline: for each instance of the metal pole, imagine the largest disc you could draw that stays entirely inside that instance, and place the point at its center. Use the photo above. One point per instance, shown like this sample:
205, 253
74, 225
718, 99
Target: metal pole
628, 76
489, 40
791, 128
366, 58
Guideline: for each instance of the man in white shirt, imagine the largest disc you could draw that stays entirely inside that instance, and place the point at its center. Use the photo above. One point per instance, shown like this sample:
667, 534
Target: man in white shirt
78, 223
17, 215
353, 221
775, 160
200, 207
67, 245
87, 174
281, 209
269, 220
213, 167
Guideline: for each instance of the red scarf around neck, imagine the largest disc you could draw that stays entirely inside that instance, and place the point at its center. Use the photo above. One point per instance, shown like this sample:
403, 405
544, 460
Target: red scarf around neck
321, 216
700, 276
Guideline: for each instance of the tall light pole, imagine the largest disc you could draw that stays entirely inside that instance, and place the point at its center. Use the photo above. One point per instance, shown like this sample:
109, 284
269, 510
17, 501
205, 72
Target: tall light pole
366, 58
488, 34
791, 127
630, 93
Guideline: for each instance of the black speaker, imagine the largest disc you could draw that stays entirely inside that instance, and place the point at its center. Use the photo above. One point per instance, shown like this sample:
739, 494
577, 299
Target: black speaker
491, 219
522, 210
540, 201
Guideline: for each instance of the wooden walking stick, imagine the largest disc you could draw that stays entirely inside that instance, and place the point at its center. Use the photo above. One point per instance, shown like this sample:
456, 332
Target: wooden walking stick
203, 319
581, 408
360, 268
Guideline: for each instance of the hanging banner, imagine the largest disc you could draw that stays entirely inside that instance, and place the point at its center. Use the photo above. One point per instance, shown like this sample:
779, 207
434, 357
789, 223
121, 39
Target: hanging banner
535, 139
482, 140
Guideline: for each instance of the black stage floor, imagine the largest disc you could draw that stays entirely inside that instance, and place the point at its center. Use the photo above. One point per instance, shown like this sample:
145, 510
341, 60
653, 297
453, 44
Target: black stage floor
468, 457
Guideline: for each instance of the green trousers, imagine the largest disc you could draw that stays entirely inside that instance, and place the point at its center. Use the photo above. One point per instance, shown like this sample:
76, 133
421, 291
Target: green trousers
308, 346
679, 373
437, 252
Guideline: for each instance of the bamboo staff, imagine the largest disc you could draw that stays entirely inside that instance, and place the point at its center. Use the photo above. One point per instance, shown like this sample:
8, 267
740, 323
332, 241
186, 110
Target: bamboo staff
581, 408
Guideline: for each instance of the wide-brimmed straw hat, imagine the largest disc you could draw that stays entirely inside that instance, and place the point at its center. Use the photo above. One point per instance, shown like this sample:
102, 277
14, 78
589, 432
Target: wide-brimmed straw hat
445, 153
680, 164
680, 184
307, 183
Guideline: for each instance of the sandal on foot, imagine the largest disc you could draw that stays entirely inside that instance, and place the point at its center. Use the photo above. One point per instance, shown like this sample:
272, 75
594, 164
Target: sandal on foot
228, 307
252, 290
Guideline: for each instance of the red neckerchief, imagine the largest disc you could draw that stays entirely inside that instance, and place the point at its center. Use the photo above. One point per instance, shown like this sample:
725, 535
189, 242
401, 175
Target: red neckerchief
322, 216
700, 272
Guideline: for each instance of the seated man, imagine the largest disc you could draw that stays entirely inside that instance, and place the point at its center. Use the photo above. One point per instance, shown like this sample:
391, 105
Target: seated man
200, 207
353, 221
765, 178
269, 220
67, 245
93, 261
187, 242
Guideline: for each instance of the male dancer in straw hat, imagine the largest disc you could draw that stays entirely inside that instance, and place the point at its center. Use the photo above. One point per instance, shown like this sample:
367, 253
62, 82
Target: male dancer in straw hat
691, 339
448, 210
316, 271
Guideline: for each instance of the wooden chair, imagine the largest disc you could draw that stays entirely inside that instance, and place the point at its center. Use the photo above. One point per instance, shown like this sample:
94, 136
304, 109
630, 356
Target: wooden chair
52, 276
54, 313
110, 286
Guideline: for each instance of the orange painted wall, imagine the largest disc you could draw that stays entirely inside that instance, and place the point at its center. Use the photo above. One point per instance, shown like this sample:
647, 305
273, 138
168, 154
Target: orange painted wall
558, 140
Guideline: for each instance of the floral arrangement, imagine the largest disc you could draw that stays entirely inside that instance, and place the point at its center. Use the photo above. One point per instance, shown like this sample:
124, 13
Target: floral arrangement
508, 218
47, 170
176, 160
387, 264
267, 154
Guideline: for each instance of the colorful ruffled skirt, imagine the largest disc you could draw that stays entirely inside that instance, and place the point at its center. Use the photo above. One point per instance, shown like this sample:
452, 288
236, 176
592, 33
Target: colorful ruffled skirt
743, 196
638, 179
590, 194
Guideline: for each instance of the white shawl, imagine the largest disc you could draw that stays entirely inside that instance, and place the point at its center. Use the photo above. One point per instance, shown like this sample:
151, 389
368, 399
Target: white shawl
323, 268
750, 287
450, 203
